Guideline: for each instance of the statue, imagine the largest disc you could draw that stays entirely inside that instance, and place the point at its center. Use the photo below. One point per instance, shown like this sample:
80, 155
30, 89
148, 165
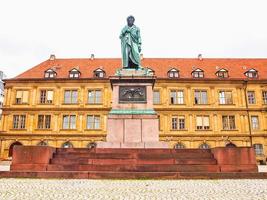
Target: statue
130, 45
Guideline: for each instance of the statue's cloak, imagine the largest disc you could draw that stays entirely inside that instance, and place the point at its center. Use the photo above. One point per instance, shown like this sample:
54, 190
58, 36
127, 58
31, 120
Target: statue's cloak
130, 44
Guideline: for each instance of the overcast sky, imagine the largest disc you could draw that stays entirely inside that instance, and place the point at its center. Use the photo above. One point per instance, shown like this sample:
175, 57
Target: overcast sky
31, 30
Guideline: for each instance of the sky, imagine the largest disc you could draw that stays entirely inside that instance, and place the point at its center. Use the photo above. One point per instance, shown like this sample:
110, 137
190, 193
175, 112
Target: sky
31, 30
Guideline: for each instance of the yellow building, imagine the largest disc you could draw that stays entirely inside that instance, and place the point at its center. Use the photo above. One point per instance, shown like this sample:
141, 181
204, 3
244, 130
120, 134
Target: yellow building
201, 103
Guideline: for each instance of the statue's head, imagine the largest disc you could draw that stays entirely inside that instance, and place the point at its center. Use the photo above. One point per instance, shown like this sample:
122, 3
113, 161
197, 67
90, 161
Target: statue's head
130, 20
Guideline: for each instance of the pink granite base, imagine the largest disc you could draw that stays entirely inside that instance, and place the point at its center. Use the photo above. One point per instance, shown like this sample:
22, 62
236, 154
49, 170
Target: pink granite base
133, 145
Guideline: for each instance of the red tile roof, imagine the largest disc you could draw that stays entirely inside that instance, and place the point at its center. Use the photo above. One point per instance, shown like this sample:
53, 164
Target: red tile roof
236, 67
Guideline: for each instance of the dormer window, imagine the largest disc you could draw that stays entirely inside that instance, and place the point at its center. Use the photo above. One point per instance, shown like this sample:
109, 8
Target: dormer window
222, 73
173, 73
150, 72
50, 73
74, 73
198, 73
99, 73
252, 73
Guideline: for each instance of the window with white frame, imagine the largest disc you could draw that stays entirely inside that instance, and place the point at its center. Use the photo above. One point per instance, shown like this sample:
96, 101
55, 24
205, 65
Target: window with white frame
252, 73
173, 73
222, 73
69, 122
44, 121
258, 149
74, 73
198, 73
228, 122
93, 122
99, 73
94, 96
179, 145
19, 121
156, 97
22, 97
202, 122
225, 97
251, 97
71, 96
177, 96
178, 122
201, 97
46, 96
255, 122
50, 73
204, 146
264, 97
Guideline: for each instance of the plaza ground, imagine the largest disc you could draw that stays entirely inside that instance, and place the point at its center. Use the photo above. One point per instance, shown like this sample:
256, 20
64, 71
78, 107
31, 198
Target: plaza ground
132, 189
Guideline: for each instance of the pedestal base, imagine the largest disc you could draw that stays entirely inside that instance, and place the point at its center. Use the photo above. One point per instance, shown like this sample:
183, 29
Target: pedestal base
143, 145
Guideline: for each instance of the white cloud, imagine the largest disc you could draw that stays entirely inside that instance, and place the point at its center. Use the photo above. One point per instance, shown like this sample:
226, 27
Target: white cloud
30, 30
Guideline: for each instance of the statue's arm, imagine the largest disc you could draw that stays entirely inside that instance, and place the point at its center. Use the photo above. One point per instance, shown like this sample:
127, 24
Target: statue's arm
123, 31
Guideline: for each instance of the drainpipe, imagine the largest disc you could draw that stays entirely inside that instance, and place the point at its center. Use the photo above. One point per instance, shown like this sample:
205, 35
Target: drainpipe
249, 121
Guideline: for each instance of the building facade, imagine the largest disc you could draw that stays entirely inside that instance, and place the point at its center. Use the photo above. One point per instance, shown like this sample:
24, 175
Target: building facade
2, 76
201, 103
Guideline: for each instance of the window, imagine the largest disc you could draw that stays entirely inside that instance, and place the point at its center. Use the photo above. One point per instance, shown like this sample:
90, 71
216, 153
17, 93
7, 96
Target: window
225, 97
251, 97
228, 122
198, 73
71, 96
156, 97
50, 73
258, 149
255, 122
222, 73
202, 123
22, 97
74, 73
94, 96
173, 73
204, 146
252, 73
178, 122
230, 145
46, 96
19, 121
99, 73
91, 145
201, 97
264, 97
179, 145
67, 145
177, 97
42, 143
44, 121
69, 121
93, 122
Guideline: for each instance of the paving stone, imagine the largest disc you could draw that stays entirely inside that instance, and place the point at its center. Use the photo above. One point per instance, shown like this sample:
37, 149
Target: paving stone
132, 189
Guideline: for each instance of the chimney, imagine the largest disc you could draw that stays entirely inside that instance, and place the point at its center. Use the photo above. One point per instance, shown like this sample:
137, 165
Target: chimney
52, 57
200, 57
141, 56
92, 56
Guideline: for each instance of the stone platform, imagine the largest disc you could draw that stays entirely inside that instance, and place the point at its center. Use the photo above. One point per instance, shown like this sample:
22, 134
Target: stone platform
96, 163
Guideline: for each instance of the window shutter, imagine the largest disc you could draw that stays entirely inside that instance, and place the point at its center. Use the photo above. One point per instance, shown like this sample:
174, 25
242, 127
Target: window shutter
19, 94
25, 96
199, 121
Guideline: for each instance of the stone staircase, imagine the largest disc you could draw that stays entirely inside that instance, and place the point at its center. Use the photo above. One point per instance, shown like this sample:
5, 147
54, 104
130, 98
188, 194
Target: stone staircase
98, 163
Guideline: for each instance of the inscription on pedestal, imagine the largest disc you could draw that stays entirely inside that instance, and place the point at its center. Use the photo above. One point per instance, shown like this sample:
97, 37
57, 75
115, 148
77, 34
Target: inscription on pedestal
132, 94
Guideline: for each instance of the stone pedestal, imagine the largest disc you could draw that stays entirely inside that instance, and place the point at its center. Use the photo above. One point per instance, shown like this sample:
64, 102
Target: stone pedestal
132, 122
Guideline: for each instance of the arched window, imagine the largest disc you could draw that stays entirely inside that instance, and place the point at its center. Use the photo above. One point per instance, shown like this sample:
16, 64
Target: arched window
198, 73
230, 145
67, 145
204, 146
74, 73
99, 73
42, 143
10, 152
50, 73
252, 73
258, 149
179, 145
91, 145
173, 73
222, 73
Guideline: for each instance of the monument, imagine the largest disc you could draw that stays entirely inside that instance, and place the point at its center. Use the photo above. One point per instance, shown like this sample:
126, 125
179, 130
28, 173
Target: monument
132, 121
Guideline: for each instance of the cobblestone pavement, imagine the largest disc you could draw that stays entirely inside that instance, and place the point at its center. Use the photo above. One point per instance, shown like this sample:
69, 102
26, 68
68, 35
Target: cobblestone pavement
131, 189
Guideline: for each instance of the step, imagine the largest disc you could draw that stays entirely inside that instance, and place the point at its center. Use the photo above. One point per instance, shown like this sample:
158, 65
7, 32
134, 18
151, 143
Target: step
135, 168
94, 155
68, 161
